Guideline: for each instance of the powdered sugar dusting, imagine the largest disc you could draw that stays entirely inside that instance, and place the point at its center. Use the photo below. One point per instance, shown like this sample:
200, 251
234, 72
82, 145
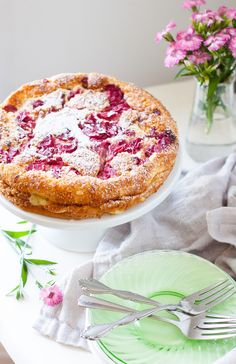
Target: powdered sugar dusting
92, 100
46, 102
123, 162
80, 114
128, 117
54, 99
84, 160
58, 123
95, 80
27, 155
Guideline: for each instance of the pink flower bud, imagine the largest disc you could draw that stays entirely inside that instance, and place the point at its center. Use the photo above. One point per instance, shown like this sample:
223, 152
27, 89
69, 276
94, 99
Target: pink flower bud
51, 296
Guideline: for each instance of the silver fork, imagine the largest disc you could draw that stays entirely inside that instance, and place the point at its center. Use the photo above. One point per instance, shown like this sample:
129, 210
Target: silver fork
193, 304
101, 304
210, 296
201, 327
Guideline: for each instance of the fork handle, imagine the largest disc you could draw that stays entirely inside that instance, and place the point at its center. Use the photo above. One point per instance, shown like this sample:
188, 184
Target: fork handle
98, 303
97, 331
135, 297
95, 287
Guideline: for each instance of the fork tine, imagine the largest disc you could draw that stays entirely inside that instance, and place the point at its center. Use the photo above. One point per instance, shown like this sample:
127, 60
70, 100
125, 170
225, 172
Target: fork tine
223, 296
216, 337
215, 290
218, 331
217, 326
206, 289
209, 288
217, 295
215, 315
219, 321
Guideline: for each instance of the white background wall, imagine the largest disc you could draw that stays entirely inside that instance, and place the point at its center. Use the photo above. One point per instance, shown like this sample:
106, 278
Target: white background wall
40, 38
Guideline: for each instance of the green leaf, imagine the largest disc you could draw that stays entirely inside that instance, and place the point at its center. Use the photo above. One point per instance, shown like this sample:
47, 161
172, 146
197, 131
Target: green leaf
213, 82
40, 261
13, 290
211, 102
17, 291
188, 74
168, 37
22, 222
18, 234
38, 284
19, 295
50, 283
24, 273
18, 246
22, 243
183, 72
52, 272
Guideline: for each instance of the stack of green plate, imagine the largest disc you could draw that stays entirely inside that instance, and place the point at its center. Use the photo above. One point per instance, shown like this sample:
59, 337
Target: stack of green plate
166, 276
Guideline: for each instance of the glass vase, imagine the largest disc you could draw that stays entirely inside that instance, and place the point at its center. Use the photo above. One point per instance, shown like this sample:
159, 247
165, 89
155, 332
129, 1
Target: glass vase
212, 128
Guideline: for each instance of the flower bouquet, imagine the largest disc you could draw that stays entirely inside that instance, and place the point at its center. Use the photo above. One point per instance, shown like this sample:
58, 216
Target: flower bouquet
207, 51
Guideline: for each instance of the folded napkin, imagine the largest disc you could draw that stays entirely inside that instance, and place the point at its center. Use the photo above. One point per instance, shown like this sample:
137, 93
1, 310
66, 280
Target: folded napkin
199, 217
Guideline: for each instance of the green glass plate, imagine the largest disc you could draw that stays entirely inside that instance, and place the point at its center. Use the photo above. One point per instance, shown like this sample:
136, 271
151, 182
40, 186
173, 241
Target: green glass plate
166, 276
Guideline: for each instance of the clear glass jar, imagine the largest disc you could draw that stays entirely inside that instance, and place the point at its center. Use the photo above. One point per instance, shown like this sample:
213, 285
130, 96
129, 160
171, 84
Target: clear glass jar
206, 139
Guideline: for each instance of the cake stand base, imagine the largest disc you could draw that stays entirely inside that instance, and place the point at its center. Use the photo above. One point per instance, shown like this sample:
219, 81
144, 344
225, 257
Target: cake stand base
83, 240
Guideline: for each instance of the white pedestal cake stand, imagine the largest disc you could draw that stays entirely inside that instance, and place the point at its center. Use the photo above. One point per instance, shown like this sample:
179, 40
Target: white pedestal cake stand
83, 235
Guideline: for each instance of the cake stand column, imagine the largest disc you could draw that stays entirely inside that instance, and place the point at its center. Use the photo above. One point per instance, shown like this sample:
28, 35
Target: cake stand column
81, 240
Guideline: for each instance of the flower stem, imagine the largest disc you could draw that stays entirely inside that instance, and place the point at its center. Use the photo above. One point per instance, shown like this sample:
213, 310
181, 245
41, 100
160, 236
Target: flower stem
23, 250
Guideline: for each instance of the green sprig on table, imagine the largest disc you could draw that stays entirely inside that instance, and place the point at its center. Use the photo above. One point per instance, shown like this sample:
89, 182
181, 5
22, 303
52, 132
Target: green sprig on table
19, 242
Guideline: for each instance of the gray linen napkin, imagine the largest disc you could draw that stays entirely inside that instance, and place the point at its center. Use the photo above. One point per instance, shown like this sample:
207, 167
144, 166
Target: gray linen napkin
199, 217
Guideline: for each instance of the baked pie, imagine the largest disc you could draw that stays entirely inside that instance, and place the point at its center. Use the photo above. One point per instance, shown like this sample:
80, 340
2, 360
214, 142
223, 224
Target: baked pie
82, 145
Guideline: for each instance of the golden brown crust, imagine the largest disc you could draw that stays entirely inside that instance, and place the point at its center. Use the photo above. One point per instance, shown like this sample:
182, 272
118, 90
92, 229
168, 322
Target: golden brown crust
22, 200
83, 196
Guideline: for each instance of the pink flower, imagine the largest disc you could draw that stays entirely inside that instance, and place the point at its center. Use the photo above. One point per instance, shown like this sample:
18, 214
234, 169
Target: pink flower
230, 31
174, 55
188, 40
208, 17
232, 46
199, 57
228, 12
51, 296
217, 41
167, 29
189, 4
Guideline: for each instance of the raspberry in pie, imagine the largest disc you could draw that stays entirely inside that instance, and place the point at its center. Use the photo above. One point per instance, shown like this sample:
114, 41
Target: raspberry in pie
82, 145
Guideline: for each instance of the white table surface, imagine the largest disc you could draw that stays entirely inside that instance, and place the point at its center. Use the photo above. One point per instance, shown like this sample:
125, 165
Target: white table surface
24, 345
